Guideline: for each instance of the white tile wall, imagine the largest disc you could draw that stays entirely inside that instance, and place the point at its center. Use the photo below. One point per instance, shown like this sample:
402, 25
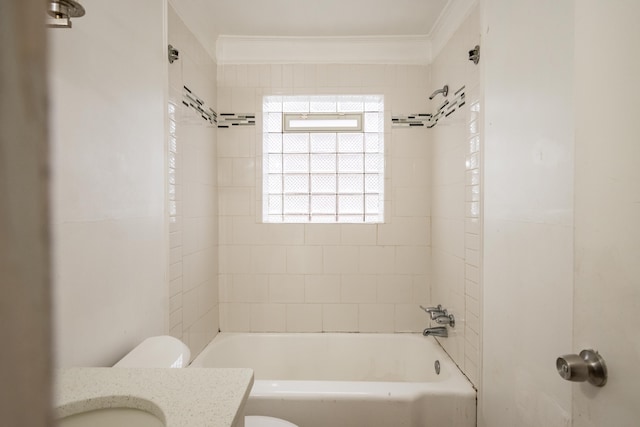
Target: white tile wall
456, 194
192, 195
324, 277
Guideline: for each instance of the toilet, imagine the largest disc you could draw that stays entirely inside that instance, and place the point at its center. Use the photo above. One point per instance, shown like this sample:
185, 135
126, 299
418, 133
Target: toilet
169, 352
157, 352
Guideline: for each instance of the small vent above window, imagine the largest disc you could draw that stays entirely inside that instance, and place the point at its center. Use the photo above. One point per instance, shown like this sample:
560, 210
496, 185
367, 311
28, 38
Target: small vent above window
321, 122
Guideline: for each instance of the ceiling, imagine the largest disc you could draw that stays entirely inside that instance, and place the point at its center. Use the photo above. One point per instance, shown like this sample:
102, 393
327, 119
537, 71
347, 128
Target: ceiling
209, 19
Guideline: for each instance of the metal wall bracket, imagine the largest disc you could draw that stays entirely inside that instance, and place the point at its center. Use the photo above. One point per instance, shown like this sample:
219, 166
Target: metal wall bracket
60, 12
173, 54
474, 54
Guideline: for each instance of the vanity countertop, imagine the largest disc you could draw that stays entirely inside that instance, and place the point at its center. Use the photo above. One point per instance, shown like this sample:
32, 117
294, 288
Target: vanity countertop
192, 397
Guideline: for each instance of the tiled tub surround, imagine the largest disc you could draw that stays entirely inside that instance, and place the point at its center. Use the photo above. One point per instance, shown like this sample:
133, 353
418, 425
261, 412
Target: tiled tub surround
192, 191
323, 277
455, 208
354, 380
179, 397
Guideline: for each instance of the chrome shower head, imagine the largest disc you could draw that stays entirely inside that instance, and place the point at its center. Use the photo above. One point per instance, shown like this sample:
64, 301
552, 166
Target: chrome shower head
60, 13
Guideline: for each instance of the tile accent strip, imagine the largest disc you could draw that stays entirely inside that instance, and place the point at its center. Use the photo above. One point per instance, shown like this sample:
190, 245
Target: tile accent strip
228, 120
192, 100
430, 120
409, 120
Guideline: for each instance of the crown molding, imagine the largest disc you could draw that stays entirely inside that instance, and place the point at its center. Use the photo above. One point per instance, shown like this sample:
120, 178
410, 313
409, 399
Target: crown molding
418, 50
451, 18
319, 50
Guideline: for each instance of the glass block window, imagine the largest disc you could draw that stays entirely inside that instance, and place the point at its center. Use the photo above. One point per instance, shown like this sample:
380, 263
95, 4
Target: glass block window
323, 159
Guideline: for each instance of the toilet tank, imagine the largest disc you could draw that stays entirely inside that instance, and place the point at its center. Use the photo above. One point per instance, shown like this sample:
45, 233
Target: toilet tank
157, 352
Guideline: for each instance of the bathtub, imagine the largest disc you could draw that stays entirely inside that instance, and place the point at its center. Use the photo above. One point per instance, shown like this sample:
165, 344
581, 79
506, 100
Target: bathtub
350, 380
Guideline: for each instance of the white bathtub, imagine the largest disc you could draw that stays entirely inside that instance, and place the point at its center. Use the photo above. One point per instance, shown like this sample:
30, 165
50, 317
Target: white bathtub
350, 380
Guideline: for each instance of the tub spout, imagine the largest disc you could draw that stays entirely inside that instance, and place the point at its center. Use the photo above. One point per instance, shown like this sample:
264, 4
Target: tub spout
439, 331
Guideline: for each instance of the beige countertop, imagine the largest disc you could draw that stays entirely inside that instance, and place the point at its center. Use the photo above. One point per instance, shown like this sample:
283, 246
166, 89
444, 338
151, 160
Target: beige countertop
193, 397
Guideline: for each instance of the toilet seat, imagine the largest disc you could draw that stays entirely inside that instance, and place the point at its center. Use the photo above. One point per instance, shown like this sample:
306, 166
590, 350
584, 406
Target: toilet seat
260, 421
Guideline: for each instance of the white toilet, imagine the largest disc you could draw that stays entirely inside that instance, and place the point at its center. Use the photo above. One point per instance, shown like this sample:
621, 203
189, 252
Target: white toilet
169, 352
157, 352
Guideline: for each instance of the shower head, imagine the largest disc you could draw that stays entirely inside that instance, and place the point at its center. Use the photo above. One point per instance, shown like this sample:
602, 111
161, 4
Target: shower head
60, 13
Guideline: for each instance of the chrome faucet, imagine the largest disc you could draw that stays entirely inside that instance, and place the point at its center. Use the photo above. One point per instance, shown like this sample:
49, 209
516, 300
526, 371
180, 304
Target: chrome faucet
440, 315
438, 331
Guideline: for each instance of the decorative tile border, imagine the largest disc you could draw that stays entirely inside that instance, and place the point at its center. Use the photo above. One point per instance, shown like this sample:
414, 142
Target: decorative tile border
191, 100
224, 120
411, 120
227, 120
427, 120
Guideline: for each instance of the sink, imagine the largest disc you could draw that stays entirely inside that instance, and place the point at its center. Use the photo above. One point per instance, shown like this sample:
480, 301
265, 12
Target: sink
112, 417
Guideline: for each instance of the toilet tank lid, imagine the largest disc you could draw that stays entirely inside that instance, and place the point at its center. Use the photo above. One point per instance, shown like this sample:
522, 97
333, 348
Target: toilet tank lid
157, 352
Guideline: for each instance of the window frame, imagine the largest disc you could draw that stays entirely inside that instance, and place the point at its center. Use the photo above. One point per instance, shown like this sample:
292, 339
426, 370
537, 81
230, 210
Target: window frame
332, 118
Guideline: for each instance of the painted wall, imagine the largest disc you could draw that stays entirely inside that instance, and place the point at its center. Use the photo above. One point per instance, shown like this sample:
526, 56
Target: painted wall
455, 189
607, 208
25, 264
528, 211
108, 79
323, 277
192, 194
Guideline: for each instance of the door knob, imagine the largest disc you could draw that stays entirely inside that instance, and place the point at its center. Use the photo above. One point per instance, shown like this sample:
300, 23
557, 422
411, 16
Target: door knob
588, 366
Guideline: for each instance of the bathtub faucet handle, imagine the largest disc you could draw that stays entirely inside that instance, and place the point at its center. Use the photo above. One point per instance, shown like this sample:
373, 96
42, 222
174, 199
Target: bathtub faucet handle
446, 319
435, 312
431, 309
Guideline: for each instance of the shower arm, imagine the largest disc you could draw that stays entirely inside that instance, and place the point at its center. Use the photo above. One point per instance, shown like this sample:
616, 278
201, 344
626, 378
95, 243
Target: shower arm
444, 91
